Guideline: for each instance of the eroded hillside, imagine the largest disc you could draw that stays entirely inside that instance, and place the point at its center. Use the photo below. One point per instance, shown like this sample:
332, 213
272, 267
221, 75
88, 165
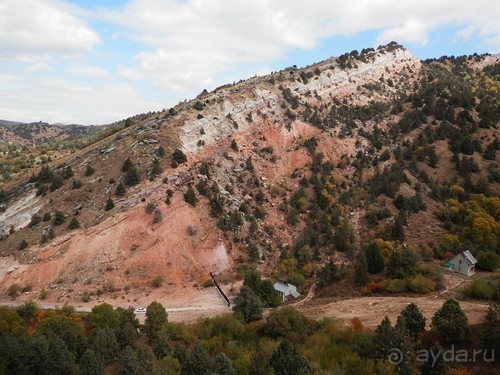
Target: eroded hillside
290, 172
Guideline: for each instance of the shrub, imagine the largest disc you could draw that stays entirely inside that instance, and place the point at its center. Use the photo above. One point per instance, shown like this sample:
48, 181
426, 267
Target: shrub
47, 216
109, 204
35, 219
190, 196
198, 105
14, 290
127, 164
397, 286
57, 182
483, 289
85, 296
89, 171
43, 294
208, 283
158, 281
77, 184
58, 218
132, 176
120, 190
488, 260
179, 157
421, 284
23, 245
158, 216
74, 223
150, 207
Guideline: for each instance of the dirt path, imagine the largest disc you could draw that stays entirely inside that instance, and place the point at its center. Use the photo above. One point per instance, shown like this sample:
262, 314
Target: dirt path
309, 297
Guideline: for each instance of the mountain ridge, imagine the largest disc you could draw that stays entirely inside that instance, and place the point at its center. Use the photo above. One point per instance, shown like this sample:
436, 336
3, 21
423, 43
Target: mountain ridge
263, 156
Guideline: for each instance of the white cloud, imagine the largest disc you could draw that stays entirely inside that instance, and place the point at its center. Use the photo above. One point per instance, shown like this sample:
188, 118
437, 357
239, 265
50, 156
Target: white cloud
89, 71
466, 33
192, 44
39, 67
411, 32
34, 27
62, 101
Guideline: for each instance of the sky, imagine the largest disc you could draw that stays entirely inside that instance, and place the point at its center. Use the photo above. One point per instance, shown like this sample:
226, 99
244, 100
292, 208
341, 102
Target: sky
99, 61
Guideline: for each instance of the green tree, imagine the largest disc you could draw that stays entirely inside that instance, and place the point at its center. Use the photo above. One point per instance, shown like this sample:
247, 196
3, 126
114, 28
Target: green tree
66, 329
198, 362
160, 152
129, 363
398, 230
126, 333
434, 363
402, 264
223, 366
120, 190
59, 359
190, 196
89, 364
9, 321
248, 305
413, 320
286, 360
488, 260
109, 204
132, 176
360, 269
127, 164
491, 333
450, 322
102, 316
105, 346
89, 171
67, 173
179, 157
58, 218
374, 258
156, 318
74, 223
343, 237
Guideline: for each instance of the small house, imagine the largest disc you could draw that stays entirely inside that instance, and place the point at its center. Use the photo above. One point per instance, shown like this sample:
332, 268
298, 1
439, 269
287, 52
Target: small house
286, 290
463, 263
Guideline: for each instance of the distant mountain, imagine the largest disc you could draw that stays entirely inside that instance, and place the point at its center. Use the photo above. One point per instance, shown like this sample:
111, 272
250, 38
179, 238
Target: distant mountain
39, 132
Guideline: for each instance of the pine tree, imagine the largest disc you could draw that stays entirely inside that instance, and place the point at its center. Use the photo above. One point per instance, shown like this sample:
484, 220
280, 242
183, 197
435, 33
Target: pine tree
223, 366
127, 164
360, 269
74, 223
89, 364
156, 318
105, 346
198, 362
89, 171
109, 204
248, 305
190, 196
450, 322
132, 176
287, 360
120, 190
413, 320
374, 258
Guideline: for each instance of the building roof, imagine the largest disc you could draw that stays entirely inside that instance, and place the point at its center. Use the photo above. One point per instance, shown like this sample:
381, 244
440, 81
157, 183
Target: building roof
469, 257
284, 287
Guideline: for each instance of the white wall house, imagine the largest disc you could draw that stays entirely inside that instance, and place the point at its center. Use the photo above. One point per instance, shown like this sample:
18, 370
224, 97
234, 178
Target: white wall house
286, 290
463, 263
